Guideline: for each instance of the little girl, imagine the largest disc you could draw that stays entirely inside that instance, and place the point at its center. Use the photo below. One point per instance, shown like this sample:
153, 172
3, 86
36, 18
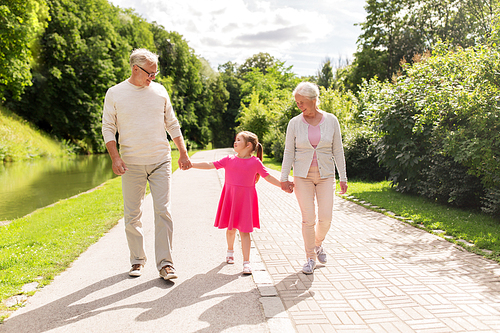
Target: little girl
238, 205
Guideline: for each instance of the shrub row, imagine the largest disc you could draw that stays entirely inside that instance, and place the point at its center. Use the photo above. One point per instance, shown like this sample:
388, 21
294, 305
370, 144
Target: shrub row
437, 126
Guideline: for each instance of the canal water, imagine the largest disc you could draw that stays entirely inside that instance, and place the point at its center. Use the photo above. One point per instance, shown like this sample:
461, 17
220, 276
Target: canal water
27, 186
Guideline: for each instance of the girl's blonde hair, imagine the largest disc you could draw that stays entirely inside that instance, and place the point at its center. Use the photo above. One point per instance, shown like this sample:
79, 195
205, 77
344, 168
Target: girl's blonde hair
256, 146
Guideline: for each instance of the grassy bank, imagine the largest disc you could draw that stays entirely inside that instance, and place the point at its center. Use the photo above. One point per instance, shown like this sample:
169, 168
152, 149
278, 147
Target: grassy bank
20, 141
39, 246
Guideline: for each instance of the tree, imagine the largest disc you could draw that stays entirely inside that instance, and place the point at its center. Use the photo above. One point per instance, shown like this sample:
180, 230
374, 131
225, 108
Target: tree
275, 84
256, 117
228, 124
21, 23
221, 121
325, 74
266, 103
261, 61
190, 99
397, 30
76, 65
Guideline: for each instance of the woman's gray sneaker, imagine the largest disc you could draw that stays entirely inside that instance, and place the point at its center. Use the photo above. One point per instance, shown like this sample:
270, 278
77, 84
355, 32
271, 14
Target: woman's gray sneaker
321, 254
309, 266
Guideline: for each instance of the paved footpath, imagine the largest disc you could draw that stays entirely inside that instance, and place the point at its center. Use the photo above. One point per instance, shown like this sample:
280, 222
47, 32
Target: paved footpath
382, 275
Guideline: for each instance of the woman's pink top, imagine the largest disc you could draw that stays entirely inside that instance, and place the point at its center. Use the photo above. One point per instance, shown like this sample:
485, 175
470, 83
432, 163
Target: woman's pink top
314, 133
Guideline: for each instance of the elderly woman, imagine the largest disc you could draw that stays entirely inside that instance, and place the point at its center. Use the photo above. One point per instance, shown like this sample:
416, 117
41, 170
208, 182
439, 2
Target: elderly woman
313, 143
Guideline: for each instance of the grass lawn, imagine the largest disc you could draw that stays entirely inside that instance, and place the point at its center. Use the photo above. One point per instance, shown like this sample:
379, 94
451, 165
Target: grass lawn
271, 163
41, 245
473, 227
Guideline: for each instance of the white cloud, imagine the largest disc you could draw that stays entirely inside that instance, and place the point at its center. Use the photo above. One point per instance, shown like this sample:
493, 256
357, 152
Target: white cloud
233, 30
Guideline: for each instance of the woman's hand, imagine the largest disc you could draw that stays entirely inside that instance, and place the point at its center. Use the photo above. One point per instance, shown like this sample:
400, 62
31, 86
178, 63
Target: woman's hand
343, 187
287, 186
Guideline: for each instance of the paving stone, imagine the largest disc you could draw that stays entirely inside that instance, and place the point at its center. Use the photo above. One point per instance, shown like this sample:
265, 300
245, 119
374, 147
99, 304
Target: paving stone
29, 287
273, 307
15, 300
465, 242
267, 290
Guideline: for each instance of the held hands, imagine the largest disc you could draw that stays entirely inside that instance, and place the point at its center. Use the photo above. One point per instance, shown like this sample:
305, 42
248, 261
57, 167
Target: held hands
287, 186
184, 163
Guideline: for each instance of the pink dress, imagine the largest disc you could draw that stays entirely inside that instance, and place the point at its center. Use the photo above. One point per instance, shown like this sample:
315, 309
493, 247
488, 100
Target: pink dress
238, 205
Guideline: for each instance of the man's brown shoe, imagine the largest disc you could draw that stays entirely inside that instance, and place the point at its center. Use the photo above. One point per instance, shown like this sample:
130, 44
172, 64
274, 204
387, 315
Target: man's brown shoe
135, 270
168, 272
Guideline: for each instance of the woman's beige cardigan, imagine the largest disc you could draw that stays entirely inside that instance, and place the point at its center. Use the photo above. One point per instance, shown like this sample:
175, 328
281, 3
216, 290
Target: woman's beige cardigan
299, 151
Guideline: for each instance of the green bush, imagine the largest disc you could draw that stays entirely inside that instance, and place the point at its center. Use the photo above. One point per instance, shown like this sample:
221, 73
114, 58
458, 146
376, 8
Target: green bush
255, 118
491, 202
439, 119
361, 157
448, 182
274, 144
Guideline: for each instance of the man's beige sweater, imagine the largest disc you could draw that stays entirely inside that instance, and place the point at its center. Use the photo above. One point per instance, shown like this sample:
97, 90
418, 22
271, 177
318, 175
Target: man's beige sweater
140, 115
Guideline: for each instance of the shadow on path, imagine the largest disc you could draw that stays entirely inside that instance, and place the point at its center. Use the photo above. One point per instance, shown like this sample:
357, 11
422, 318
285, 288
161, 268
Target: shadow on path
294, 289
201, 287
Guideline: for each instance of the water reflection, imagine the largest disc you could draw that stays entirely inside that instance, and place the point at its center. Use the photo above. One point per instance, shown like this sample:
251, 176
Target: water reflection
26, 186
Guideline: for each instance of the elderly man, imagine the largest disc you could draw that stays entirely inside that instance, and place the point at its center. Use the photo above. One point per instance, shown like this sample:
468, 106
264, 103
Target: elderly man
140, 111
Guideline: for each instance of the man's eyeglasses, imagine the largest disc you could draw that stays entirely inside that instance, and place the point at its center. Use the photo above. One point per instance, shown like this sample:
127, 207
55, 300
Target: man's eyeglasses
149, 74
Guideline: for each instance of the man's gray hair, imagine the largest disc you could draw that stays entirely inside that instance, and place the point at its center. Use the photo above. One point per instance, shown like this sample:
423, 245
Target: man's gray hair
308, 90
142, 57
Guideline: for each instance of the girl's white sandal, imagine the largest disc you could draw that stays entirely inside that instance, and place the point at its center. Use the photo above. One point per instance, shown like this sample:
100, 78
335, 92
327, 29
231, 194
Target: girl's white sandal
247, 269
230, 257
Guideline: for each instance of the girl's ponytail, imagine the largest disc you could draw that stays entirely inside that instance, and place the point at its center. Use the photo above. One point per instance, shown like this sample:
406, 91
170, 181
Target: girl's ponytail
259, 151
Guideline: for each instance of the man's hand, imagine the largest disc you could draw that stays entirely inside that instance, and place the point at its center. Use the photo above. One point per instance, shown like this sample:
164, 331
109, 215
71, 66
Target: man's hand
184, 162
119, 166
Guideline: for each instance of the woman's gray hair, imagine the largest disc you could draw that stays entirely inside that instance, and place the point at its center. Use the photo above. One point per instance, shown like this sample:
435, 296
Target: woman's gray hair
308, 90
142, 57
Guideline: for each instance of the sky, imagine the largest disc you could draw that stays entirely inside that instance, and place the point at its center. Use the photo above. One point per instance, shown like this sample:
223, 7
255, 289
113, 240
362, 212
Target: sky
300, 33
